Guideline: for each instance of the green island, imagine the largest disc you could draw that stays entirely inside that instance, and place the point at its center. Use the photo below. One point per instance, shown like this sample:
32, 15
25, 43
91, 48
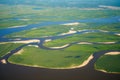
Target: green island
70, 57
81, 46
112, 62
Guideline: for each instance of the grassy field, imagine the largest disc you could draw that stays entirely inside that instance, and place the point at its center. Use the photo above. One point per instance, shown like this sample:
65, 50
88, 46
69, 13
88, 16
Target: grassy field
5, 48
65, 58
109, 63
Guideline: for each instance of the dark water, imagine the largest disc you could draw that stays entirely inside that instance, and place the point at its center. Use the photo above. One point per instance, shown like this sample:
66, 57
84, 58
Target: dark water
17, 72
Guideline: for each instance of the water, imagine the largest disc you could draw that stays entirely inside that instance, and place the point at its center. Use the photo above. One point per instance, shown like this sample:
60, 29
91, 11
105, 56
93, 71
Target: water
6, 31
18, 72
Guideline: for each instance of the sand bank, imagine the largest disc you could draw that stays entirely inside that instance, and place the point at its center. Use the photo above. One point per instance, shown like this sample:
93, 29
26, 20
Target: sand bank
3, 61
107, 42
118, 34
84, 63
22, 41
27, 41
60, 46
71, 24
70, 32
19, 52
106, 71
48, 40
110, 7
84, 43
34, 46
112, 53
104, 31
17, 26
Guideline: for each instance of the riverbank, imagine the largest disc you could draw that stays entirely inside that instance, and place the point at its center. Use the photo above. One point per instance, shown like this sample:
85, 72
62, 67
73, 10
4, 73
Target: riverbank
84, 63
23, 41
112, 53
73, 66
107, 71
60, 46
109, 62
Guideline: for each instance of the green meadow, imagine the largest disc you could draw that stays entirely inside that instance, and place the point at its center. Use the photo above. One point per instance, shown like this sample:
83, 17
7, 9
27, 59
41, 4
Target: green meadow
65, 58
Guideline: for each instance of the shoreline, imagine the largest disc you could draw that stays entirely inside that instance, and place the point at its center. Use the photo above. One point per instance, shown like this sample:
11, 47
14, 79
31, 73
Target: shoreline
109, 53
85, 62
60, 46
22, 41
19, 52
17, 26
113, 53
104, 71
71, 24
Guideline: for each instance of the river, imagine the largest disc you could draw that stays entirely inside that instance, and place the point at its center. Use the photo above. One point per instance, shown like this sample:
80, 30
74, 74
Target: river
17, 72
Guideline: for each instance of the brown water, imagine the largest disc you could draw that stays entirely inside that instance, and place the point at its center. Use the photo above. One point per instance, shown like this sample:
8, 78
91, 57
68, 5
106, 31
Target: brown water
17, 72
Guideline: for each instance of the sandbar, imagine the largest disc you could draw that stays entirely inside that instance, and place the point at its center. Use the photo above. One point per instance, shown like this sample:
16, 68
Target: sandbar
3, 61
71, 24
107, 42
19, 52
27, 41
70, 32
84, 43
60, 46
112, 53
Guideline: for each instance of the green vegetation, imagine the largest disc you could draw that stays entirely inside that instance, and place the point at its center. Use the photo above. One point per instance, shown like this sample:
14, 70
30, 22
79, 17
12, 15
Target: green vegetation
65, 58
5, 48
111, 27
109, 63
45, 31
58, 29
88, 37
16, 15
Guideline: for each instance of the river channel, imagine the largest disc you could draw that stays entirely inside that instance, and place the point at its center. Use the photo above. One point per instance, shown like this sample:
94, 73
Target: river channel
17, 72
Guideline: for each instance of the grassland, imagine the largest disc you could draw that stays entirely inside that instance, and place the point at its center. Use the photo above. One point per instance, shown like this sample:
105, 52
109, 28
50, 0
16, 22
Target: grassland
65, 58
16, 15
88, 37
58, 29
6, 48
45, 31
109, 63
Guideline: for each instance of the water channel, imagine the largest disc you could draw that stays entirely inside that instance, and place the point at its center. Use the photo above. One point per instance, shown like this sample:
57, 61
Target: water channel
17, 72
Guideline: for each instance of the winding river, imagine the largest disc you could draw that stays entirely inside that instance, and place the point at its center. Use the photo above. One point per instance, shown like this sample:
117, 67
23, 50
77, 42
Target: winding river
17, 72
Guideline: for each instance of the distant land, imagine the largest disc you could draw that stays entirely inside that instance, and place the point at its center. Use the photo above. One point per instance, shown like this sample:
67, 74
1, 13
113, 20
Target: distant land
63, 3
